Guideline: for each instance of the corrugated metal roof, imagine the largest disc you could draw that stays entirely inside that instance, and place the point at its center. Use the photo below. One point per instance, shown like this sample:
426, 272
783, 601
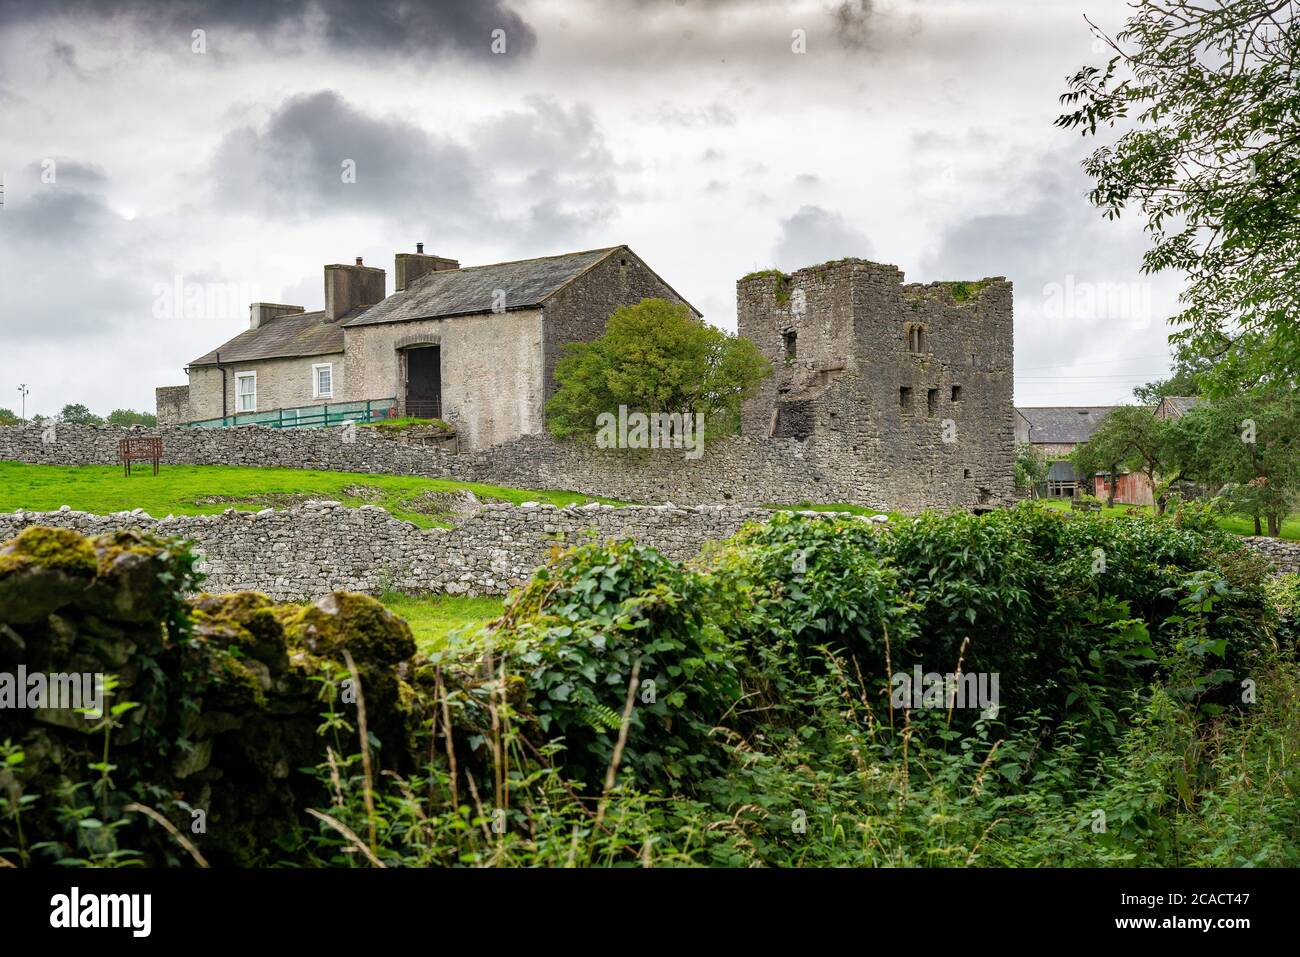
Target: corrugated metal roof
303, 334
1063, 423
525, 283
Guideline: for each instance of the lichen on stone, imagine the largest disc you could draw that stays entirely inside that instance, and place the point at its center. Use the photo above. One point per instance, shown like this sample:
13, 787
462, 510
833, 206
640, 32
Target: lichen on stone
248, 620
347, 620
57, 549
237, 686
112, 545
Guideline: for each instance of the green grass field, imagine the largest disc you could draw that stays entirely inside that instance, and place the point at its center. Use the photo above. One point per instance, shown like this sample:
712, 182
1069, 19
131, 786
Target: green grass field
209, 489
433, 617
1230, 523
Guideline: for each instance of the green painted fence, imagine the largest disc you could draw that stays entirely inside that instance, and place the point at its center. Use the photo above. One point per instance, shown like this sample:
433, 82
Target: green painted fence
308, 416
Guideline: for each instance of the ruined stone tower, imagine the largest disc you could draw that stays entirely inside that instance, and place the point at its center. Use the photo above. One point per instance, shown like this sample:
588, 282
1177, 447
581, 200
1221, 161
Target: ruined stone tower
907, 388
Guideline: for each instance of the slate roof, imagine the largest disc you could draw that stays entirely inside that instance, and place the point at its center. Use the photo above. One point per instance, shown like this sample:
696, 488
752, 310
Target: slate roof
527, 283
1181, 403
1063, 424
303, 334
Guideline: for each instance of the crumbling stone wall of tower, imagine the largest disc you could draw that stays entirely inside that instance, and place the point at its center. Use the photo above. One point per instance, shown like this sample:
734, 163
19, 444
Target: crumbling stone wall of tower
906, 388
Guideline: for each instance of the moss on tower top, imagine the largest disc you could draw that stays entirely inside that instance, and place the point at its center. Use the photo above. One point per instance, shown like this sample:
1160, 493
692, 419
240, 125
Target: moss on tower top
967, 291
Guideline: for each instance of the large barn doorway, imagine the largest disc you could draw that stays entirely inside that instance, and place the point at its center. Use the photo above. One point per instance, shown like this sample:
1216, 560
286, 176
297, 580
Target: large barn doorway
424, 382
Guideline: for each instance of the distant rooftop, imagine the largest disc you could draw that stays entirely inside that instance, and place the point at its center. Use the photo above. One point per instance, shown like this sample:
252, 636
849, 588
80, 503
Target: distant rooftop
1063, 424
1181, 403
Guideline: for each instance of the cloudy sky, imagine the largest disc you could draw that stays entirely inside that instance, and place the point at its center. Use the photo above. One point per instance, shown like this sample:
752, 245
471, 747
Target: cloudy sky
164, 164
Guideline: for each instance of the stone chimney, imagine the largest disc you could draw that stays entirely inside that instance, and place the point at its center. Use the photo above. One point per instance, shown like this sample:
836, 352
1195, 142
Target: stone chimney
408, 267
347, 287
260, 312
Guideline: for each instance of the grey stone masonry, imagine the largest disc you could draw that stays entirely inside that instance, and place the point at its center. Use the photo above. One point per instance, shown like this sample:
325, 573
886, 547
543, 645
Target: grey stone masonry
1283, 555
303, 552
905, 387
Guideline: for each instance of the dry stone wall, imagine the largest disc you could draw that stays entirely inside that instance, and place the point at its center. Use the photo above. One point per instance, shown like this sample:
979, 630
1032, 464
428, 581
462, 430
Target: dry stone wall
1283, 555
737, 471
303, 552
306, 551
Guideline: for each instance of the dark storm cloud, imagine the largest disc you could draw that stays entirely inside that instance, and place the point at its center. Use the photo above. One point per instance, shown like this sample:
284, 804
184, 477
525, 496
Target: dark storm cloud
543, 170
814, 235
375, 25
304, 161
57, 213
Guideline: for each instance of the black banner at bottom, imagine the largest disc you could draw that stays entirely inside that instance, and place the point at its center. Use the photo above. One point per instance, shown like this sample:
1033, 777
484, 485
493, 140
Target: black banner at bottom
218, 907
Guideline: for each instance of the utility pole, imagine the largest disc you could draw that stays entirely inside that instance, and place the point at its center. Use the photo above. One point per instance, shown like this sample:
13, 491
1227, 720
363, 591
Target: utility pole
22, 391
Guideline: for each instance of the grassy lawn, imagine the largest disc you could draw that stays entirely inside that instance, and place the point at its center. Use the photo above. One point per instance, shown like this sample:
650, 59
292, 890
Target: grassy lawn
208, 489
433, 617
1231, 523
404, 423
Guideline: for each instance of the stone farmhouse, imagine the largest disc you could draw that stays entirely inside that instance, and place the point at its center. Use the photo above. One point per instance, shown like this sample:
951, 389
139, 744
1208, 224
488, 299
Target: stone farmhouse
474, 346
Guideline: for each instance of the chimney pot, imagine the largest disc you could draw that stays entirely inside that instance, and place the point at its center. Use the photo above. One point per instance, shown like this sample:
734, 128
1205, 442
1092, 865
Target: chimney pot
419, 248
359, 262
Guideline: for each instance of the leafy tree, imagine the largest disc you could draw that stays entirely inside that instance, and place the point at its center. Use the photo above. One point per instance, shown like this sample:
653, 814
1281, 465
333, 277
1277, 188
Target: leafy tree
1031, 467
1206, 95
1131, 437
655, 357
74, 413
7, 417
1248, 446
129, 417
1184, 380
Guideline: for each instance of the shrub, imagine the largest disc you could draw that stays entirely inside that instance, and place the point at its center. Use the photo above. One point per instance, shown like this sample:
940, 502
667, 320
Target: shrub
581, 627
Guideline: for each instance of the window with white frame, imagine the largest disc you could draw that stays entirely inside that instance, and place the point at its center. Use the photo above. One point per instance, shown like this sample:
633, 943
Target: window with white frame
245, 391
322, 380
